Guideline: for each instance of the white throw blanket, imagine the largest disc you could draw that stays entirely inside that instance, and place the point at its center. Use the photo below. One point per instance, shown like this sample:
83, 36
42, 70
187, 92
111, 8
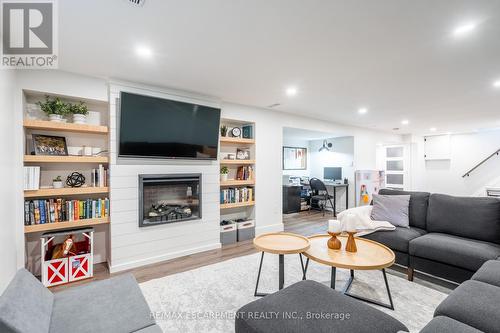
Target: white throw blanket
361, 218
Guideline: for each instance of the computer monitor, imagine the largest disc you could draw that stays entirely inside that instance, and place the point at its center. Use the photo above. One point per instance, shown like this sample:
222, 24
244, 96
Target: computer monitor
332, 173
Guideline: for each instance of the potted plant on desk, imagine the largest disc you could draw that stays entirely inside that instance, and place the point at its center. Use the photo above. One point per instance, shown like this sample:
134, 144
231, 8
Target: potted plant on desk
224, 171
55, 108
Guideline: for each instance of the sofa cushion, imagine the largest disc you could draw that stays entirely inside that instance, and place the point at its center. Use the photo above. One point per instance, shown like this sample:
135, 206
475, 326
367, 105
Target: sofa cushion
418, 205
443, 324
453, 250
470, 217
112, 305
391, 208
489, 273
473, 303
398, 239
317, 308
26, 305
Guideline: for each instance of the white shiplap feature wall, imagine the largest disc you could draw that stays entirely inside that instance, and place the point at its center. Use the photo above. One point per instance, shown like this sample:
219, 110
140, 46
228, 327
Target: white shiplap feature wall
132, 246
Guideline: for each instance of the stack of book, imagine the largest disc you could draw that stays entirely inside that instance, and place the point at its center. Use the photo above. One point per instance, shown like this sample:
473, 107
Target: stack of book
235, 195
62, 210
31, 178
244, 173
99, 177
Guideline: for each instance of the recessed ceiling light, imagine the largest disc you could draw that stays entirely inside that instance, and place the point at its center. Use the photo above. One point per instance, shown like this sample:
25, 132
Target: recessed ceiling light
291, 91
143, 51
362, 110
405, 122
433, 129
496, 84
464, 29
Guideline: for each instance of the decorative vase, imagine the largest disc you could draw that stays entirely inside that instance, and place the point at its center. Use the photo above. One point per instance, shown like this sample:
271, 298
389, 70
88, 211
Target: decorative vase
334, 243
79, 119
351, 242
56, 118
58, 184
223, 177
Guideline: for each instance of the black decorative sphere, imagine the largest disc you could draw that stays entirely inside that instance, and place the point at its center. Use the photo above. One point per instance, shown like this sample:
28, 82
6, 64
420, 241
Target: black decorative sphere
76, 179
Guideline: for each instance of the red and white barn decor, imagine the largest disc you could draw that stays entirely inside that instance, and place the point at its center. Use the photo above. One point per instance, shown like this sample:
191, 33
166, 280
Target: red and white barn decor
76, 265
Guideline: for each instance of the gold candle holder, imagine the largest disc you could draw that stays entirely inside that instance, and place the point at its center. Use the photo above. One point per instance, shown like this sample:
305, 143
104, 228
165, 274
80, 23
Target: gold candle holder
334, 243
351, 242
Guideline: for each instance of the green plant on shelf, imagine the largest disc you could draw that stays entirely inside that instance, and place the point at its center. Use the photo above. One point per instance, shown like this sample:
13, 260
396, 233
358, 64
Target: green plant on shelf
224, 170
57, 179
223, 130
79, 108
54, 106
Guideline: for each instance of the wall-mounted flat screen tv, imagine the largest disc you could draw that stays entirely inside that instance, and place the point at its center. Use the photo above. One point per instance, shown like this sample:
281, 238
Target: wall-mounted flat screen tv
152, 127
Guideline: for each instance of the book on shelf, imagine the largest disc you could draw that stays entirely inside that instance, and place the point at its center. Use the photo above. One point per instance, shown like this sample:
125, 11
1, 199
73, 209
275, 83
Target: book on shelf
244, 173
63, 210
31, 178
99, 177
236, 195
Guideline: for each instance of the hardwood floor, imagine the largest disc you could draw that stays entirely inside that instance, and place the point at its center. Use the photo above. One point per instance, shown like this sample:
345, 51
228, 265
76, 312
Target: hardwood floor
301, 223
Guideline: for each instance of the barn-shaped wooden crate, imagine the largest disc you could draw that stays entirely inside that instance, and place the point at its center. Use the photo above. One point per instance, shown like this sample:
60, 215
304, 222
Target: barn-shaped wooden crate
64, 260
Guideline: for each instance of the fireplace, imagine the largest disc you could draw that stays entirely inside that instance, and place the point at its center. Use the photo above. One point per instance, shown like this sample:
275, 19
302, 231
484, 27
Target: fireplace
169, 198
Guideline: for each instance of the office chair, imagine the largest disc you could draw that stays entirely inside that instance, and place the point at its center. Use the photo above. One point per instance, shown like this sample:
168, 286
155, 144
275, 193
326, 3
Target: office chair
320, 193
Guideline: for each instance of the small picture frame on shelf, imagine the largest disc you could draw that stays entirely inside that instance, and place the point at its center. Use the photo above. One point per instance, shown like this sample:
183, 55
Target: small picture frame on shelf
49, 145
242, 154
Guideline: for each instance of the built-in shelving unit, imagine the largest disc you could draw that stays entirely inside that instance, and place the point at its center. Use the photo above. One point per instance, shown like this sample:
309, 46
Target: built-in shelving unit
94, 134
229, 147
64, 225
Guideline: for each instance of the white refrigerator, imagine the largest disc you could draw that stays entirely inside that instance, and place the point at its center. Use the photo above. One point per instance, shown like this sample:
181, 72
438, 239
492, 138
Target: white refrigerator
367, 182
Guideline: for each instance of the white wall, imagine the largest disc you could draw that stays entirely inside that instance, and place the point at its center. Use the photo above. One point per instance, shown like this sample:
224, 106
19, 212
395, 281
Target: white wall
445, 176
8, 253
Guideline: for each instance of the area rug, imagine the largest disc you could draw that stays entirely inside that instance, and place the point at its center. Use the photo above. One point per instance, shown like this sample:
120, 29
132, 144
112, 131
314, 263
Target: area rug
205, 299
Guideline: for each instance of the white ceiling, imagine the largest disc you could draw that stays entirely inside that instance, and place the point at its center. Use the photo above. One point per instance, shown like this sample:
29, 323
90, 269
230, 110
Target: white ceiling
396, 57
300, 134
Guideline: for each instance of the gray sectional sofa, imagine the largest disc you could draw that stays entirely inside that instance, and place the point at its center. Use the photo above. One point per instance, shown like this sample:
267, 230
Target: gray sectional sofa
113, 305
449, 237
309, 306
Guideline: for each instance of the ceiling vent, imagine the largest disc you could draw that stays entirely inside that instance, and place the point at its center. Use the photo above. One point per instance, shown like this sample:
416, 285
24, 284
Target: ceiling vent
139, 3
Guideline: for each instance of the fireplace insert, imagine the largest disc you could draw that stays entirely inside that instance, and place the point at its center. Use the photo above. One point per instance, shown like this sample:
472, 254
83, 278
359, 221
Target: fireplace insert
169, 198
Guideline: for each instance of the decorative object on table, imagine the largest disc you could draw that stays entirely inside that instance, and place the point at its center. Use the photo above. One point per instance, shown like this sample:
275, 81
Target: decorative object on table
231, 156
351, 242
346, 181
334, 230
247, 131
76, 179
224, 171
326, 146
236, 132
79, 112
57, 182
55, 108
242, 154
223, 130
50, 145
294, 158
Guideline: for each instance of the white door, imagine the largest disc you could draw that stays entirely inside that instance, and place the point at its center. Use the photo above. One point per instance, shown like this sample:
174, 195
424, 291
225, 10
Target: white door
396, 160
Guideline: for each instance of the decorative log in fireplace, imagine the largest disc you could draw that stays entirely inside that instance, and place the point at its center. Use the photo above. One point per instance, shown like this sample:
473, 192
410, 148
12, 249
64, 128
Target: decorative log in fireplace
169, 198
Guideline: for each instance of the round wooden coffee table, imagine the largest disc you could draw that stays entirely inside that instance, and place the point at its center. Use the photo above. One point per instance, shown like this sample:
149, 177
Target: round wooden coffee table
279, 243
371, 255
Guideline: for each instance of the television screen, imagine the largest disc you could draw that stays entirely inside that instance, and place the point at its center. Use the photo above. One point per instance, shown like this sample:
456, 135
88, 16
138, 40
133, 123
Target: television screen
160, 128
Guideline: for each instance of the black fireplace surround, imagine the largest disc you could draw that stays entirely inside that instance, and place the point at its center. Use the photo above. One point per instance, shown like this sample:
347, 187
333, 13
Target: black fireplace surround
169, 198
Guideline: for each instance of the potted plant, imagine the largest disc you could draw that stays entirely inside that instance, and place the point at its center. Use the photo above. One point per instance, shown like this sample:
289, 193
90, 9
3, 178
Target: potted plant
223, 173
223, 130
55, 108
79, 112
57, 182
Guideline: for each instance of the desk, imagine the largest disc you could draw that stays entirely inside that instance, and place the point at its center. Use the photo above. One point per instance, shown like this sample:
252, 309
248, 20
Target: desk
334, 186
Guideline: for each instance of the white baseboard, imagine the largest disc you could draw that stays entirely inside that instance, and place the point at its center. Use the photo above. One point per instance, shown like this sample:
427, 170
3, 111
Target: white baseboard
269, 228
162, 257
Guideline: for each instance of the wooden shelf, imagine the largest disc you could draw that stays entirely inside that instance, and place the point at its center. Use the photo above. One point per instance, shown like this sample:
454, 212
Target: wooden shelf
64, 225
57, 192
65, 159
237, 162
236, 205
227, 139
237, 182
65, 127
